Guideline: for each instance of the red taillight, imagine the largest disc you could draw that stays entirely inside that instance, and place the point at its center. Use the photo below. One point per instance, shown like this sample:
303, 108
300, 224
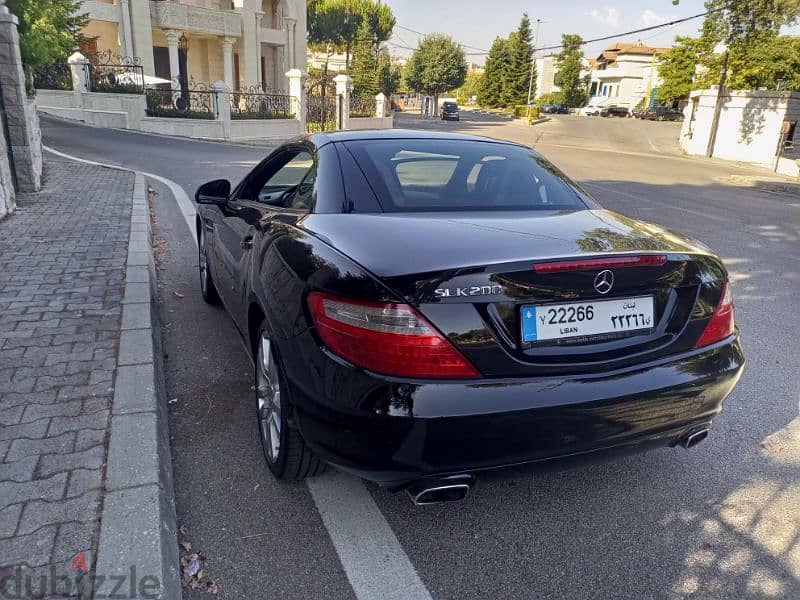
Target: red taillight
393, 339
583, 264
721, 324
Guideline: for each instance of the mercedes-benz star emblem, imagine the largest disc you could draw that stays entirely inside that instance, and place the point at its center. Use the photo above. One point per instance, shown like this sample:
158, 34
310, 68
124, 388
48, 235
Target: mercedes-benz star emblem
604, 282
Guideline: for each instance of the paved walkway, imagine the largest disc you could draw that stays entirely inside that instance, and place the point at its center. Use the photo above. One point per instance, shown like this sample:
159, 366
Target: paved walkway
62, 274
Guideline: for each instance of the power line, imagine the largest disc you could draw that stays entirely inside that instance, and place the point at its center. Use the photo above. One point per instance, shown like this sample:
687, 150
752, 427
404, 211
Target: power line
424, 34
643, 29
585, 42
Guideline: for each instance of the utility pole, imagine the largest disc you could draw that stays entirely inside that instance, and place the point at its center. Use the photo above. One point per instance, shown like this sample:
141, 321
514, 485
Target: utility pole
533, 66
723, 77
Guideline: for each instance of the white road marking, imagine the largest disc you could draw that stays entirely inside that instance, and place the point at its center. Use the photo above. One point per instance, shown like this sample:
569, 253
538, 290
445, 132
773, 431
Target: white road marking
373, 559
375, 563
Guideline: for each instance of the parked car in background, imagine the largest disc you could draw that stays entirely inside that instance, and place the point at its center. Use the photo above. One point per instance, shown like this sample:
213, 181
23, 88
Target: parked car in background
614, 111
638, 113
590, 110
663, 113
555, 109
450, 112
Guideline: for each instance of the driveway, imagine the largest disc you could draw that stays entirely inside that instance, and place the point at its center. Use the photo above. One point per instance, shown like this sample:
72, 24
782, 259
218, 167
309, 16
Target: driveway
720, 521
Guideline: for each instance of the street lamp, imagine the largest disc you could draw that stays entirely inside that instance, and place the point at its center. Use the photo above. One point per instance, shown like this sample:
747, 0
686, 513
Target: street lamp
533, 66
722, 49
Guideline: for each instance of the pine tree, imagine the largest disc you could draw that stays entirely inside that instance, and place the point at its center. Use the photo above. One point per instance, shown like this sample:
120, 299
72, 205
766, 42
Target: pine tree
364, 68
491, 90
518, 71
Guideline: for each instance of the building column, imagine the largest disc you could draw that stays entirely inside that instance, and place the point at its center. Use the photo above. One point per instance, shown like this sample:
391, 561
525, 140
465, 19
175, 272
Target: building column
259, 76
125, 27
174, 63
142, 35
290, 25
227, 60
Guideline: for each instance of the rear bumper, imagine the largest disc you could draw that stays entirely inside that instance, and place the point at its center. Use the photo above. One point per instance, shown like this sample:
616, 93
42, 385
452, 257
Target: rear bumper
401, 431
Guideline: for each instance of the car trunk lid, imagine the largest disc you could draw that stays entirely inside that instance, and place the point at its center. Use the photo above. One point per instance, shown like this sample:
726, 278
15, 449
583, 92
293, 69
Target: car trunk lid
472, 275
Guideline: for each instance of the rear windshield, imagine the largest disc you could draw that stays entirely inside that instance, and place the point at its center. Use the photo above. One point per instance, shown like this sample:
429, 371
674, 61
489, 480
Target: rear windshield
419, 175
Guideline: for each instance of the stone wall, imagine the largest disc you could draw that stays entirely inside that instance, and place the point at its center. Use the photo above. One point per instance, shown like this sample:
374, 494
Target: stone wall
22, 124
7, 194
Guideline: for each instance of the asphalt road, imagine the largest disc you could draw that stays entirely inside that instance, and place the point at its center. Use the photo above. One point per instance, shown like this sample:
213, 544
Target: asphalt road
720, 521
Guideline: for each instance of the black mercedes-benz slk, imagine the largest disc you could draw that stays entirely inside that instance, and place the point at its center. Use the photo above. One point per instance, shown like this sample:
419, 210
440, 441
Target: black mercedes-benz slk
423, 306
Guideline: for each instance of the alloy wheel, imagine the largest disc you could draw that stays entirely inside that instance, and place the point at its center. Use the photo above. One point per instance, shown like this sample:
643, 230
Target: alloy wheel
268, 396
203, 263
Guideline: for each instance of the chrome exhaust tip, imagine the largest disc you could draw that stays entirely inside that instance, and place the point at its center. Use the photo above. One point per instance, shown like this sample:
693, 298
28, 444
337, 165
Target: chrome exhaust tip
695, 438
445, 489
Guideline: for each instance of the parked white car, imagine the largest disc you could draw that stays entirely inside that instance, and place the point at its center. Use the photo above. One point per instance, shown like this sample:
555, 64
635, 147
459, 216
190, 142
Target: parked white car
590, 110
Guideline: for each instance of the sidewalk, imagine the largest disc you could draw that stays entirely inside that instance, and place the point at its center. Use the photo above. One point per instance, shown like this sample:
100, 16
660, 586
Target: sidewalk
63, 260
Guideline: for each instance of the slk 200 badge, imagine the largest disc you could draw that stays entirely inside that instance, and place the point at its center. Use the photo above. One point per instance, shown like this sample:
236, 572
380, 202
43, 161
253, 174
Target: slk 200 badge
468, 292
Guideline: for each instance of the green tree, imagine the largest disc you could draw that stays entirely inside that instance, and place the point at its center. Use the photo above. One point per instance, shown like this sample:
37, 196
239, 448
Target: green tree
334, 24
676, 68
48, 30
437, 65
758, 56
471, 87
569, 64
520, 61
490, 92
769, 61
364, 69
739, 20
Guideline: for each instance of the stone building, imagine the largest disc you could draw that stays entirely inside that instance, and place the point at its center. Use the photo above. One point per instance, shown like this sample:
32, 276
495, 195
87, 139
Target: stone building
241, 42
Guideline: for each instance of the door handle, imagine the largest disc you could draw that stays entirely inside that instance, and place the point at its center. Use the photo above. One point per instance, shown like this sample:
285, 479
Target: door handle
247, 243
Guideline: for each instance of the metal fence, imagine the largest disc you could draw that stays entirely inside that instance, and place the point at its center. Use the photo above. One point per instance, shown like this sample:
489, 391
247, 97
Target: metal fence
320, 113
57, 76
120, 79
197, 102
362, 106
109, 72
257, 103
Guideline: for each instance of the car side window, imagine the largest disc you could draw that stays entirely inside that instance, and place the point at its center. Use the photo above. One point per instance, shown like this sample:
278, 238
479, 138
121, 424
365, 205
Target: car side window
302, 198
287, 181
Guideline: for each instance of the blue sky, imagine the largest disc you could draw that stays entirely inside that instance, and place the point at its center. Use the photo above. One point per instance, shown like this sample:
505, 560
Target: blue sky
478, 22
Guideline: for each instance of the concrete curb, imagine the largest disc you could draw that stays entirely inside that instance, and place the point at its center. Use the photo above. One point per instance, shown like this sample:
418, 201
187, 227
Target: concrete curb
776, 185
138, 532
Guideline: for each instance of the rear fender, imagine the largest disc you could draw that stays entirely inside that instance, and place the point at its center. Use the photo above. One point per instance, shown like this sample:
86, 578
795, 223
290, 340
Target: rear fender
296, 263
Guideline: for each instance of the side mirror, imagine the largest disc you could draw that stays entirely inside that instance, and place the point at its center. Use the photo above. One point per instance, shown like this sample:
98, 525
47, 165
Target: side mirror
213, 192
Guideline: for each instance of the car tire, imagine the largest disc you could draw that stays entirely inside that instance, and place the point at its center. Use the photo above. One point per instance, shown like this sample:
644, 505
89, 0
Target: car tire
287, 455
207, 287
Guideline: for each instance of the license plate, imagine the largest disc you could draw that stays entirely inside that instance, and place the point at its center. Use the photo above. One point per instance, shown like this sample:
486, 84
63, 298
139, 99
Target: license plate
561, 321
